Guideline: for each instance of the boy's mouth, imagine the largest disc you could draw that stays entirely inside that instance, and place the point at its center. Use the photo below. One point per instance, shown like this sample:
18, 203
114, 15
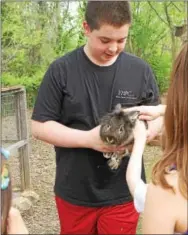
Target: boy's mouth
110, 55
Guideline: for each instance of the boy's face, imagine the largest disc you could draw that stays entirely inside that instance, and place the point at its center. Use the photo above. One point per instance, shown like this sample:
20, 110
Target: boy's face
105, 44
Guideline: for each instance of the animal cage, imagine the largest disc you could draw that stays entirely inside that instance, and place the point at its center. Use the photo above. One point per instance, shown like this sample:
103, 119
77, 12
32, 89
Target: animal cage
14, 134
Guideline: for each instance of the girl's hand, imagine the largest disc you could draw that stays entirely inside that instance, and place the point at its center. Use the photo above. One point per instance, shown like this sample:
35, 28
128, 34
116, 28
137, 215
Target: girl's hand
149, 113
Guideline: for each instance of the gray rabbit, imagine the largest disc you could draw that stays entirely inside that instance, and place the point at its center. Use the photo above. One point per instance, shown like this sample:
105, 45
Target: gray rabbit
117, 129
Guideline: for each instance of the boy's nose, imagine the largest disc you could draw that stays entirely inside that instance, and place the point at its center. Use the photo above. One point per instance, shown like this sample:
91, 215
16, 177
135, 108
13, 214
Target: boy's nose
112, 49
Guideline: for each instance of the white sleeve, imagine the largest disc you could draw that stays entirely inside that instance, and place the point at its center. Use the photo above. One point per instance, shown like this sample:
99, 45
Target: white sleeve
140, 196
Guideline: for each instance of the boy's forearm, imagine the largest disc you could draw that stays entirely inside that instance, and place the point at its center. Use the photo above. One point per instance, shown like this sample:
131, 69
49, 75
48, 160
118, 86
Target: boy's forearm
59, 135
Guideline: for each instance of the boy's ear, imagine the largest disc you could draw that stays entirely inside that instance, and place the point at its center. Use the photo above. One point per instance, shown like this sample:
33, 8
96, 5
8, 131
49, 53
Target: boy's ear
86, 28
134, 115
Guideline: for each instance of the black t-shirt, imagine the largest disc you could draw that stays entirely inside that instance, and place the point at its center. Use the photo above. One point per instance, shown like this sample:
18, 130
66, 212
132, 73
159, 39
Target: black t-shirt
77, 93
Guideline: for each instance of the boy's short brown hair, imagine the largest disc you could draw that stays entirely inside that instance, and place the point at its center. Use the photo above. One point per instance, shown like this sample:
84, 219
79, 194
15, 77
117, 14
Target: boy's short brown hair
116, 13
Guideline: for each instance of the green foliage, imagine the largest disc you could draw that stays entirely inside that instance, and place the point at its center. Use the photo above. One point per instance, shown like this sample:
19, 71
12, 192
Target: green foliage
161, 66
30, 83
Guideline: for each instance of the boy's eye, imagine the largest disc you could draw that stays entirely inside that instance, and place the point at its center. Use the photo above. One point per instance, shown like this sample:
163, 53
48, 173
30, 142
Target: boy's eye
121, 41
104, 41
107, 41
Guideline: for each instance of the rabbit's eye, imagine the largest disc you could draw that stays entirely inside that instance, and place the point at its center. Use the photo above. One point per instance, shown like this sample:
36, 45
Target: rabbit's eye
121, 129
107, 127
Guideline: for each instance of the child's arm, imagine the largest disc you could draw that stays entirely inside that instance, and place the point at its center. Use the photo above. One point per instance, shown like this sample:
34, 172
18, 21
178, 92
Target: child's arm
133, 174
16, 224
149, 113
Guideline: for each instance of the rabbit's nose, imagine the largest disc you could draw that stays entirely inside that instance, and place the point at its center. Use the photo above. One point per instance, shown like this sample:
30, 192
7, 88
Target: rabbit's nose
110, 140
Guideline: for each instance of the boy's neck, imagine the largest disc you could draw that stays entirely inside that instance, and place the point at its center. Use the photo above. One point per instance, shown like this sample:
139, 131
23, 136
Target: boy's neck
93, 60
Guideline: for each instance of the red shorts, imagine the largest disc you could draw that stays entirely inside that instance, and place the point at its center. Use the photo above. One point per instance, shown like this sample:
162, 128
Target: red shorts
120, 219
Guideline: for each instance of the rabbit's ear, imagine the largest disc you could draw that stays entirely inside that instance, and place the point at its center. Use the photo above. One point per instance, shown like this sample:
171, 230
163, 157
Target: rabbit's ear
133, 115
117, 109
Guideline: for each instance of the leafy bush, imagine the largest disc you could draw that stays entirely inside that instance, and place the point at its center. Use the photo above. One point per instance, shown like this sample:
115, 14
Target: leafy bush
31, 84
161, 66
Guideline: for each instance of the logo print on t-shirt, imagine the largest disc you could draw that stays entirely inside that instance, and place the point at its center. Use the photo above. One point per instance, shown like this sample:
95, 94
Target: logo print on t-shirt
122, 94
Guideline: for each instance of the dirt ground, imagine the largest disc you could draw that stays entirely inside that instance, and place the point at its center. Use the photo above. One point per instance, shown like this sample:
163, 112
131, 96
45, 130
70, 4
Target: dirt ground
42, 218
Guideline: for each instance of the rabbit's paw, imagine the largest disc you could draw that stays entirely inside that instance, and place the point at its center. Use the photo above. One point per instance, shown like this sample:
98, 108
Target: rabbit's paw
108, 155
114, 163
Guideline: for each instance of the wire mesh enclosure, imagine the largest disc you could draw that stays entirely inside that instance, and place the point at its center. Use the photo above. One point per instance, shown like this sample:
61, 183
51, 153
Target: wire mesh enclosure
15, 135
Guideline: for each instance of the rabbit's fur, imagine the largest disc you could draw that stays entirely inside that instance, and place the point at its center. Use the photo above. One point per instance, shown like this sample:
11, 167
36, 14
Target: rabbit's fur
117, 129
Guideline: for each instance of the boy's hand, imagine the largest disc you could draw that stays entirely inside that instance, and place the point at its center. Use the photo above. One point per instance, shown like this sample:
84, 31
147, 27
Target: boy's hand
94, 142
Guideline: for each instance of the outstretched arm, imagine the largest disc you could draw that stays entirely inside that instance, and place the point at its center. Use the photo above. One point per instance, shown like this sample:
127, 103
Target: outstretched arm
133, 174
154, 116
149, 113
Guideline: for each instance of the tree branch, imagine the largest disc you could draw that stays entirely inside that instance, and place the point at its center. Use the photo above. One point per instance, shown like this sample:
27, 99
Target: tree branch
176, 7
157, 14
156, 42
168, 17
